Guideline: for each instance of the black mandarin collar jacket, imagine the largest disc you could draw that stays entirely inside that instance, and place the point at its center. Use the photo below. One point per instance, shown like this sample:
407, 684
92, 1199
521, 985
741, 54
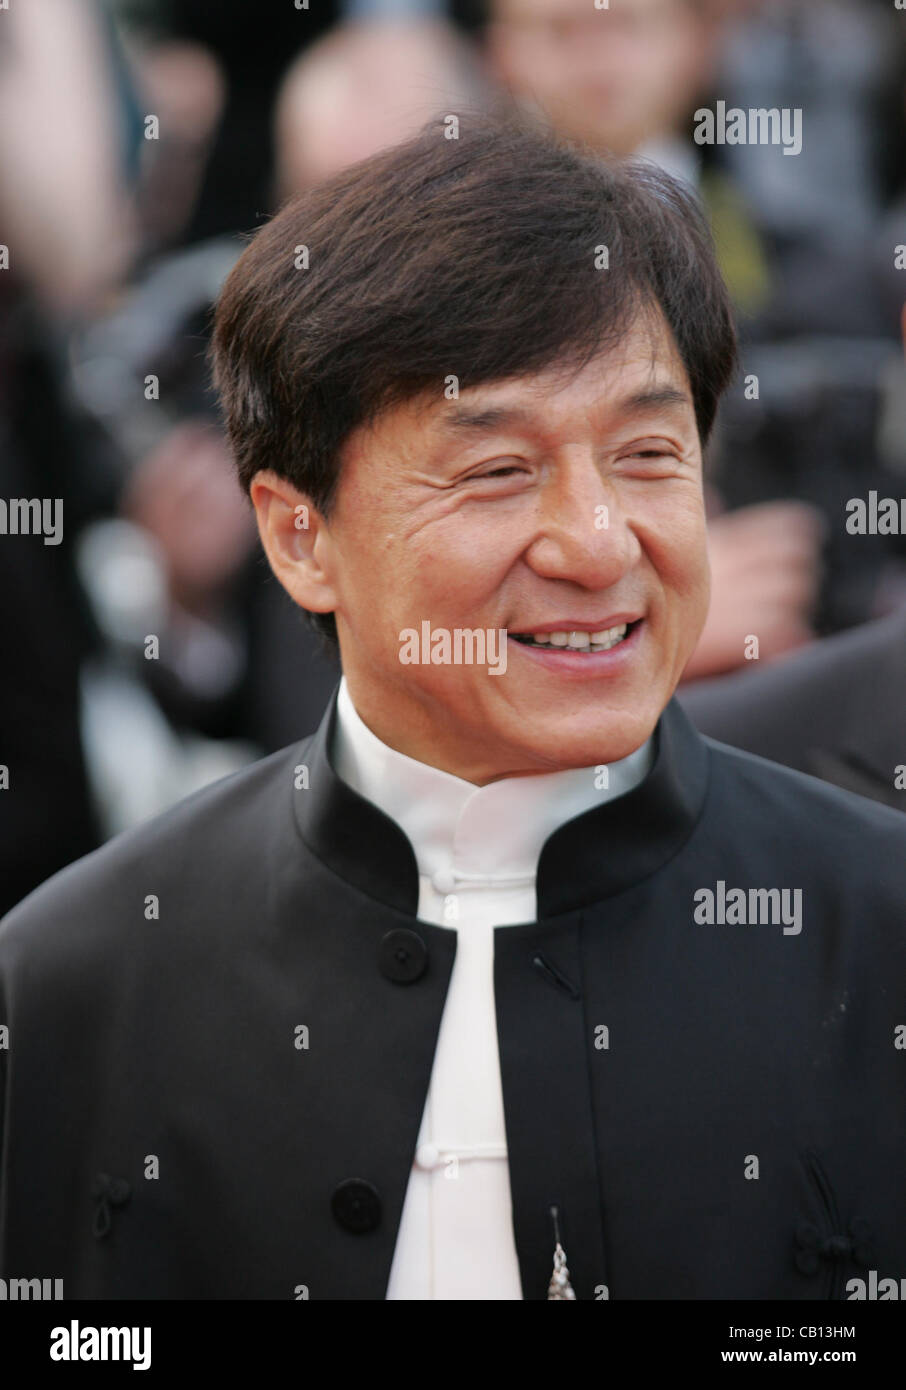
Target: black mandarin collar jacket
741, 1135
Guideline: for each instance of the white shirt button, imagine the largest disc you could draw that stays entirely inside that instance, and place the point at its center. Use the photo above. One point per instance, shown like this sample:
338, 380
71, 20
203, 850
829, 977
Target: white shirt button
427, 1156
444, 881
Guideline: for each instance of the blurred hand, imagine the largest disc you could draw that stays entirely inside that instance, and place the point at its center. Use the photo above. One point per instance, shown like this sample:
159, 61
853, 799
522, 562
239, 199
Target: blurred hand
765, 576
186, 495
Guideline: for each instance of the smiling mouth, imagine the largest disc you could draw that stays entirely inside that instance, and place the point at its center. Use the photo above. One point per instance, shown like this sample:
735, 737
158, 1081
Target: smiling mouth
577, 643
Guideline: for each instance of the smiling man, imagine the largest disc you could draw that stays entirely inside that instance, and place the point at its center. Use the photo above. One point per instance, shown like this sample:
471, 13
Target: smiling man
437, 1003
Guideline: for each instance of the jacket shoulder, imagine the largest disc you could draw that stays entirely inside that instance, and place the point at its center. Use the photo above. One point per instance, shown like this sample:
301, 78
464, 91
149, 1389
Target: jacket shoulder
223, 826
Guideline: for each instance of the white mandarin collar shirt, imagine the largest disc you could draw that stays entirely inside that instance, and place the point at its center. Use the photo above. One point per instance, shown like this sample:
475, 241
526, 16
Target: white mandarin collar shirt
477, 851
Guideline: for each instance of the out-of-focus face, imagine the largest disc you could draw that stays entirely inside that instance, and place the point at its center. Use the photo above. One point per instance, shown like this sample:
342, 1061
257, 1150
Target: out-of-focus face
566, 510
612, 77
361, 90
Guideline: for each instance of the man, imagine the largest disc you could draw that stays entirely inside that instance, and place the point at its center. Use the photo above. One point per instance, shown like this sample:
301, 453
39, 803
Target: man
506, 983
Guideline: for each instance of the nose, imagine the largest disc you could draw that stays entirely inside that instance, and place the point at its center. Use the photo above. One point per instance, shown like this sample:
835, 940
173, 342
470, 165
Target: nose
583, 534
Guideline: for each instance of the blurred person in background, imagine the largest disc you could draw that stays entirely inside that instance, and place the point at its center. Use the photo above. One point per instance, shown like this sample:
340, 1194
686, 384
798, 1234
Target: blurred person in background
366, 85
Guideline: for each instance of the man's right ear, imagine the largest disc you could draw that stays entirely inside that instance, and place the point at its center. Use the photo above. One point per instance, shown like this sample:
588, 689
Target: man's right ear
296, 541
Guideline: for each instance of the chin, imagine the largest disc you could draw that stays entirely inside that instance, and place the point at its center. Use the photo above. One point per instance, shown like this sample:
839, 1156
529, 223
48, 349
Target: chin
603, 741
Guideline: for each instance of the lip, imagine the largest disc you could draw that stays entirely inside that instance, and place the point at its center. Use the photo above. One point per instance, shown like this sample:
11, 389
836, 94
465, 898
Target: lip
591, 666
572, 625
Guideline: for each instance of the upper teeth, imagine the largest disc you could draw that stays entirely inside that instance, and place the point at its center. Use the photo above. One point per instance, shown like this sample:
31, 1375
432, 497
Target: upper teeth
594, 641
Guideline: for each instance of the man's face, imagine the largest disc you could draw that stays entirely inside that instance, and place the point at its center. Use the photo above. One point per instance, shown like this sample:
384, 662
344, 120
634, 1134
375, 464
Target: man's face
545, 504
613, 77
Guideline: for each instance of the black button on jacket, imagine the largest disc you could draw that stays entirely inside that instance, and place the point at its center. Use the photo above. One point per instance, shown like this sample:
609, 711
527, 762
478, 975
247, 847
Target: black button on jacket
221, 1027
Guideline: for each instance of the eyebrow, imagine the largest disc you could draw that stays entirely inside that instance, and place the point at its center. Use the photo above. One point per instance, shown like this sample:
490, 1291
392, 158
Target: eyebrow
652, 400
465, 420
462, 420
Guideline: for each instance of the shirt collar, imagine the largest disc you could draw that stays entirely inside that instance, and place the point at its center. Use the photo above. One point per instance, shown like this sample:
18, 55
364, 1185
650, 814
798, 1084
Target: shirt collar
596, 853
488, 833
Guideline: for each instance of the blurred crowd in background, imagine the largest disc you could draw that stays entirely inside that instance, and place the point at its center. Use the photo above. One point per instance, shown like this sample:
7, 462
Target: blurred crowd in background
141, 141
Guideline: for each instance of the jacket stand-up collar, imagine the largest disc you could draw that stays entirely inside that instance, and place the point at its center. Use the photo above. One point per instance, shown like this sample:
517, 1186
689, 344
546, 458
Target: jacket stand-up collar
590, 857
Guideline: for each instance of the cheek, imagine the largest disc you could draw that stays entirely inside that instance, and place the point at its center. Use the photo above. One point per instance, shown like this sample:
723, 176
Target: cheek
462, 561
396, 581
678, 547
